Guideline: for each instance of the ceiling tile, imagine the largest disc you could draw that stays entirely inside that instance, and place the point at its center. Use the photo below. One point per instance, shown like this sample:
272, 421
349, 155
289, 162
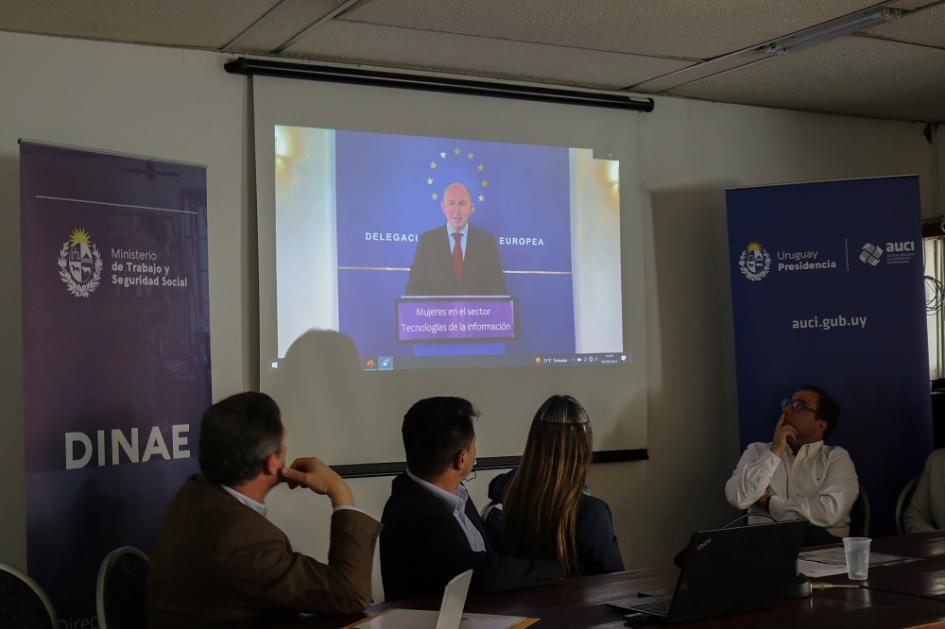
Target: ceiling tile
289, 18
191, 23
922, 27
854, 75
609, 44
668, 28
426, 50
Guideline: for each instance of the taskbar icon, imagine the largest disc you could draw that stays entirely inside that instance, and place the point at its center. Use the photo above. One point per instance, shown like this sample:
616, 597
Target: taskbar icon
608, 358
378, 363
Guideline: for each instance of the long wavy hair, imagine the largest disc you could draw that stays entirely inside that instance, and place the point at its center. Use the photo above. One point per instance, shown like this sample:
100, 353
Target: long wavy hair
540, 504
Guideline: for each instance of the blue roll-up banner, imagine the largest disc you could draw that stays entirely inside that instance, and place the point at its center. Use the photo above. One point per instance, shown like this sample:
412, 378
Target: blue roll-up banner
827, 290
116, 356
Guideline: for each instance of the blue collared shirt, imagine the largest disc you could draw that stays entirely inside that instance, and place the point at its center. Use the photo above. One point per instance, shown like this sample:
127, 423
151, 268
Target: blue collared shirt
260, 508
462, 241
457, 504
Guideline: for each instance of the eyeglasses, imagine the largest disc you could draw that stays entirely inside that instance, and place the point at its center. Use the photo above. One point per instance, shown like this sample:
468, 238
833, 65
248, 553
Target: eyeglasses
472, 472
797, 406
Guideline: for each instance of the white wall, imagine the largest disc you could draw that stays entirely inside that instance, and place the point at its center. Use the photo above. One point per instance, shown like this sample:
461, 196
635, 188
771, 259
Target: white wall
182, 105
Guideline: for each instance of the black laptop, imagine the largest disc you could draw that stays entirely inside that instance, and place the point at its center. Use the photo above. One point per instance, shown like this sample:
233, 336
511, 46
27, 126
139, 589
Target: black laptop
728, 571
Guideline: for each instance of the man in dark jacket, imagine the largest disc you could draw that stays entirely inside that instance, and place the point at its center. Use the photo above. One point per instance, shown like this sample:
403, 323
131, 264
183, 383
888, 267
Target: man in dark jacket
458, 259
432, 530
218, 559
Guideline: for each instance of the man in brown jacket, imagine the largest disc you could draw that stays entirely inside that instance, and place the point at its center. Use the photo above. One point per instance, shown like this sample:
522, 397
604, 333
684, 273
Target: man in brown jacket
216, 557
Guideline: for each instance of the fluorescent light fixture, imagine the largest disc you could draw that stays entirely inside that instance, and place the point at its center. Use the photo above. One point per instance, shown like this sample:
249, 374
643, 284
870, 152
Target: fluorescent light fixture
833, 29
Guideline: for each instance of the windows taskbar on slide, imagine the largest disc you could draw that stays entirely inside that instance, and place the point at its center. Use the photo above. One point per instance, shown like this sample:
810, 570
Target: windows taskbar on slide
390, 363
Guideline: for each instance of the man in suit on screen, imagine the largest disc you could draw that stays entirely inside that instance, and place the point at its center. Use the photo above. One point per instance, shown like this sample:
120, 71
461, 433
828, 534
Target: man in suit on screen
457, 260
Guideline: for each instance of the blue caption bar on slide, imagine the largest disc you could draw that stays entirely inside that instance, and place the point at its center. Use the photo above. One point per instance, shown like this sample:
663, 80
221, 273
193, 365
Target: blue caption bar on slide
456, 319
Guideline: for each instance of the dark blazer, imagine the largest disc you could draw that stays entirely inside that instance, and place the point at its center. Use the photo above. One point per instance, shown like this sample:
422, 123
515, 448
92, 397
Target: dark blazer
596, 544
432, 270
423, 547
215, 560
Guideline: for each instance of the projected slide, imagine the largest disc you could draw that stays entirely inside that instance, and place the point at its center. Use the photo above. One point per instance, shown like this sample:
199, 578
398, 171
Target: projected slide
444, 252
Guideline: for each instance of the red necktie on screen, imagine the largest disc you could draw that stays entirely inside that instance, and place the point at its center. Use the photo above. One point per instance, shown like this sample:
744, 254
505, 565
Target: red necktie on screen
458, 257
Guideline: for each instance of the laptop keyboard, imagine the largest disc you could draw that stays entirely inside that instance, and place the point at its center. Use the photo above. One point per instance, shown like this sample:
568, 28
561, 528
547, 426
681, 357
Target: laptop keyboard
658, 606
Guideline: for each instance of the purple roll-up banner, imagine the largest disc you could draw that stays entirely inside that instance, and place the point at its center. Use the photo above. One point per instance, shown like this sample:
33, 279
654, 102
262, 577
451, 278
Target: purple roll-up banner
116, 355
452, 319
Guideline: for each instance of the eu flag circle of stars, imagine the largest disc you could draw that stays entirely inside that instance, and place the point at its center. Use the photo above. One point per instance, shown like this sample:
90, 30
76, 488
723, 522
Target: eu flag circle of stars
439, 183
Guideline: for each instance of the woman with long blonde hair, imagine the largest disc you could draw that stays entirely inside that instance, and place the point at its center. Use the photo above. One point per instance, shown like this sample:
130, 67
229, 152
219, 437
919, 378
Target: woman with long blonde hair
548, 513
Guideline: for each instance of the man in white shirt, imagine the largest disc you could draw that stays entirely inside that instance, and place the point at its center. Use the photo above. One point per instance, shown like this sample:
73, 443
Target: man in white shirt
796, 475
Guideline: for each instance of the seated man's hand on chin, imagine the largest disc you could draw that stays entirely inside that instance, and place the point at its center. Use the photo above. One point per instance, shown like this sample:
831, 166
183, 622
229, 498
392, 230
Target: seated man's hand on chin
311, 472
784, 435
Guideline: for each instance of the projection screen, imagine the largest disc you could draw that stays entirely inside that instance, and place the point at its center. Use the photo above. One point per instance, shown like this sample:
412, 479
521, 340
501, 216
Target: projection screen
414, 244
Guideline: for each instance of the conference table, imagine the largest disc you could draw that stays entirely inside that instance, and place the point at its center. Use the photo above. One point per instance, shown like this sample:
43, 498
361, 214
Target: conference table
899, 595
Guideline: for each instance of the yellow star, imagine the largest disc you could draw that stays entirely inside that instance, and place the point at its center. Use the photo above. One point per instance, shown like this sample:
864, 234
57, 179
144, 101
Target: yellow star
481, 198
429, 181
469, 156
456, 151
485, 184
480, 168
442, 154
434, 196
433, 165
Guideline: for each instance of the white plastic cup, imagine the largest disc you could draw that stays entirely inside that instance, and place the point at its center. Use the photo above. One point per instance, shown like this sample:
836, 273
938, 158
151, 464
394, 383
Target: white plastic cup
857, 551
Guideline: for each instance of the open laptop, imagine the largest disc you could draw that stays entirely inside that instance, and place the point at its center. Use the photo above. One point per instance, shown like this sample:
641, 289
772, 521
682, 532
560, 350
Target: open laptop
729, 571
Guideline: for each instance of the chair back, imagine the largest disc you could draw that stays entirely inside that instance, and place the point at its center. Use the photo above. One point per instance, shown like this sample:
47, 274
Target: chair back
905, 499
860, 515
120, 589
24, 604
491, 515
491, 510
